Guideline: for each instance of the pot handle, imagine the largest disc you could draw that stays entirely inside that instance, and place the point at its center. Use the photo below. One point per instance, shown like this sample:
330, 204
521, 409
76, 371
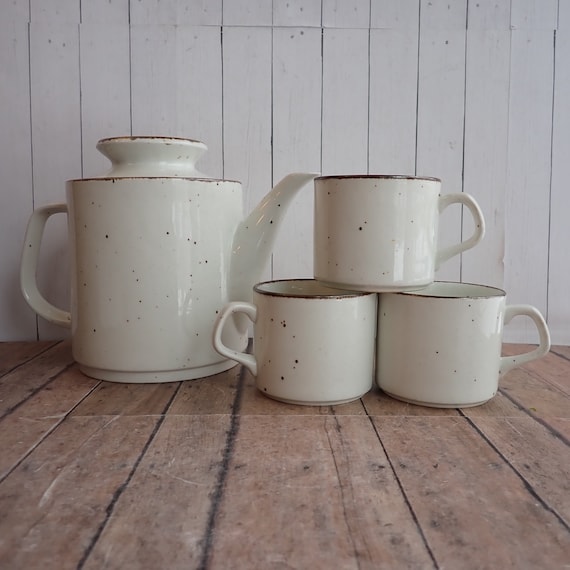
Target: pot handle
29, 264
467, 200
248, 360
510, 362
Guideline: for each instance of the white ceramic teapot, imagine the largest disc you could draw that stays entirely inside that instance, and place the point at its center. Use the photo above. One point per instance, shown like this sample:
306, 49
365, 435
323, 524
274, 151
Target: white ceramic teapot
156, 250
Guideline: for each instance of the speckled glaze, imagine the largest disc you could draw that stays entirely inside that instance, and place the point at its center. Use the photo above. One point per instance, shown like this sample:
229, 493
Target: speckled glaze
441, 346
156, 250
380, 233
313, 345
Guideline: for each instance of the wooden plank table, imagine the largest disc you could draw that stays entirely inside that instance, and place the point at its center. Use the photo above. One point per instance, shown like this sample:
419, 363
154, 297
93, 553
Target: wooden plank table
211, 474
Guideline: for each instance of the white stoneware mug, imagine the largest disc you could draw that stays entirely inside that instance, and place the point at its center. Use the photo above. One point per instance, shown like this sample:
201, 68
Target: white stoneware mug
312, 345
441, 346
380, 233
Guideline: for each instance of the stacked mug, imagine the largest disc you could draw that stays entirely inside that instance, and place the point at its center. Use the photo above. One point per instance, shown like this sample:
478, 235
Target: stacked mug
373, 309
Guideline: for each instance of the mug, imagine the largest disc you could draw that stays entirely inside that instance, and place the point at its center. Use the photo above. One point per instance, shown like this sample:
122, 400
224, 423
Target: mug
312, 345
380, 233
441, 346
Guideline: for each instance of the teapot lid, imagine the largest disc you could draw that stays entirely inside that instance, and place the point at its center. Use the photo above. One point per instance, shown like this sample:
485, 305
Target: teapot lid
149, 156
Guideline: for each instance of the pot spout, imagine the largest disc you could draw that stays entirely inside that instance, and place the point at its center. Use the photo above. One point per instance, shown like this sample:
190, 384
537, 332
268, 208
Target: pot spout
255, 235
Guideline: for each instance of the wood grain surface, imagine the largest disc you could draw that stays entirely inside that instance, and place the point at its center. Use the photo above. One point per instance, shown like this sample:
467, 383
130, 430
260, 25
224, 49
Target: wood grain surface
212, 474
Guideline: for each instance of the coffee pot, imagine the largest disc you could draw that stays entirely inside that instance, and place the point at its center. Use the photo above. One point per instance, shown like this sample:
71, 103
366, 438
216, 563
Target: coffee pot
156, 250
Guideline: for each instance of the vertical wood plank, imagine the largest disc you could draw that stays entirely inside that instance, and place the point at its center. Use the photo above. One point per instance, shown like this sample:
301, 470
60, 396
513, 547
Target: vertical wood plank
177, 86
17, 320
247, 110
528, 175
558, 270
55, 12
346, 13
395, 14
486, 147
534, 14
563, 15
345, 102
113, 12
443, 15
17, 12
489, 15
176, 12
297, 13
105, 89
393, 100
441, 93
394, 40
248, 13
56, 142
297, 73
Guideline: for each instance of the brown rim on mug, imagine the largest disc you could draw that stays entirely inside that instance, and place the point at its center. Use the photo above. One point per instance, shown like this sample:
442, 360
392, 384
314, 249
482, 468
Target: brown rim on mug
306, 288
425, 292
377, 177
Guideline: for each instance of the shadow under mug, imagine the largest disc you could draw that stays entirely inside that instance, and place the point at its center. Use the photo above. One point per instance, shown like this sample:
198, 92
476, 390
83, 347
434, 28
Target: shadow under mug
380, 232
313, 345
441, 346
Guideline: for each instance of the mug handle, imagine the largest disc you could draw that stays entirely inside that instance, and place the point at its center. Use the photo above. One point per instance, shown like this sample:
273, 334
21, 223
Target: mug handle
248, 360
29, 265
467, 200
510, 362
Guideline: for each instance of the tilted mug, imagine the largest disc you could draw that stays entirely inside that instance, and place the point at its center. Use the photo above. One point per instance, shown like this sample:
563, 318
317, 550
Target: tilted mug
441, 346
380, 232
312, 344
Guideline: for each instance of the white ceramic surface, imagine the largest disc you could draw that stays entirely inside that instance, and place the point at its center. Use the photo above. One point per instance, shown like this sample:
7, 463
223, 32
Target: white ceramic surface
380, 233
156, 250
441, 346
313, 345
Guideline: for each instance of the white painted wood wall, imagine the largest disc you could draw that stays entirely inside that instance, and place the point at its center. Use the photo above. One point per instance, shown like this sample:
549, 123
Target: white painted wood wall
475, 92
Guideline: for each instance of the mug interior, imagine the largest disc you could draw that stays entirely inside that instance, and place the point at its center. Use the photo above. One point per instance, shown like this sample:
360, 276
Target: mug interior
454, 290
309, 288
